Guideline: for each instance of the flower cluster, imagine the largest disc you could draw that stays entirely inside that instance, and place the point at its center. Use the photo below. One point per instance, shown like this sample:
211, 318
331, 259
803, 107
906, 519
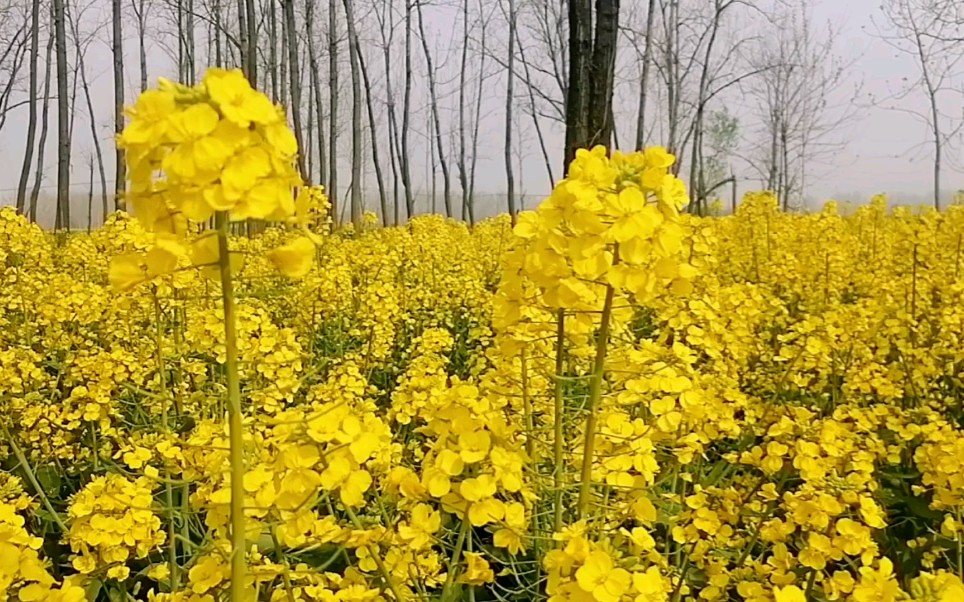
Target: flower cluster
112, 522
613, 401
217, 148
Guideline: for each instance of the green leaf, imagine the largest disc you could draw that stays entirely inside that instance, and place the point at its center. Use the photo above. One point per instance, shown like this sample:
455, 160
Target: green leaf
49, 478
921, 508
93, 589
116, 594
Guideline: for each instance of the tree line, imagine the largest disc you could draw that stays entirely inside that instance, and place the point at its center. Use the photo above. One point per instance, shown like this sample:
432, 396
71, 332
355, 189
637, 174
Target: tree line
393, 100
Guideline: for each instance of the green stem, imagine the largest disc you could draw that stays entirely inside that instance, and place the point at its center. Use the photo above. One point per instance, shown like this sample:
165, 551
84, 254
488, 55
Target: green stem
22, 459
811, 580
913, 290
595, 391
96, 446
280, 558
456, 556
468, 547
527, 415
558, 421
238, 564
960, 549
748, 548
386, 575
168, 488
530, 451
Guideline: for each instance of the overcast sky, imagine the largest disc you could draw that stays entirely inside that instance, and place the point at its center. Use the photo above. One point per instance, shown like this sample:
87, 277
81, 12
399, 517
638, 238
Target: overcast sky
885, 150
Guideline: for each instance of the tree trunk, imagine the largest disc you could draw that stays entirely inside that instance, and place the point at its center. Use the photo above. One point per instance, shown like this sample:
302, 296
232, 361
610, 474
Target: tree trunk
243, 46
283, 95
477, 117
580, 80
356, 119
273, 48
181, 40
603, 73
333, 108
63, 115
369, 101
644, 76
44, 123
191, 46
697, 179
252, 53
81, 65
431, 163
72, 103
218, 56
534, 113
309, 149
315, 79
407, 113
510, 80
394, 143
139, 8
90, 194
294, 74
117, 49
463, 172
433, 97
592, 61
32, 104
672, 76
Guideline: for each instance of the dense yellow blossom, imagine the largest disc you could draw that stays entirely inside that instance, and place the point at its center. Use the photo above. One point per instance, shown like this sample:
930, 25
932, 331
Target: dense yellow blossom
790, 424
611, 401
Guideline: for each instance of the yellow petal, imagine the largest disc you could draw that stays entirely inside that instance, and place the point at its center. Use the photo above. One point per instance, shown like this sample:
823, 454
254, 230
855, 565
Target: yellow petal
127, 271
295, 258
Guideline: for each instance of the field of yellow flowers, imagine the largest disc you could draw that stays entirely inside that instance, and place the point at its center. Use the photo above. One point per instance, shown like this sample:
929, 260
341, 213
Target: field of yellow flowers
611, 401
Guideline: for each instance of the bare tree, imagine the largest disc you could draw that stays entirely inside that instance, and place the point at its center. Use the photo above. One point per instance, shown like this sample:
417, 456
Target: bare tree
710, 72
32, 104
250, 26
510, 80
117, 50
315, 80
44, 127
190, 66
13, 51
309, 149
533, 108
273, 48
356, 119
63, 114
930, 31
543, 25
80, 50
370, 103
592, 56
283, 94
141, 8
90, 193
797, 74
646, 61
463, 75
437, 122
477, 114
403, 152
384, 12
333, 107
295, 75
672, 76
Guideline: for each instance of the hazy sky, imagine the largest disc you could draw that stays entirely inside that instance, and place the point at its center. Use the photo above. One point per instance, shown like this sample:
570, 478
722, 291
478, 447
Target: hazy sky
884, 150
